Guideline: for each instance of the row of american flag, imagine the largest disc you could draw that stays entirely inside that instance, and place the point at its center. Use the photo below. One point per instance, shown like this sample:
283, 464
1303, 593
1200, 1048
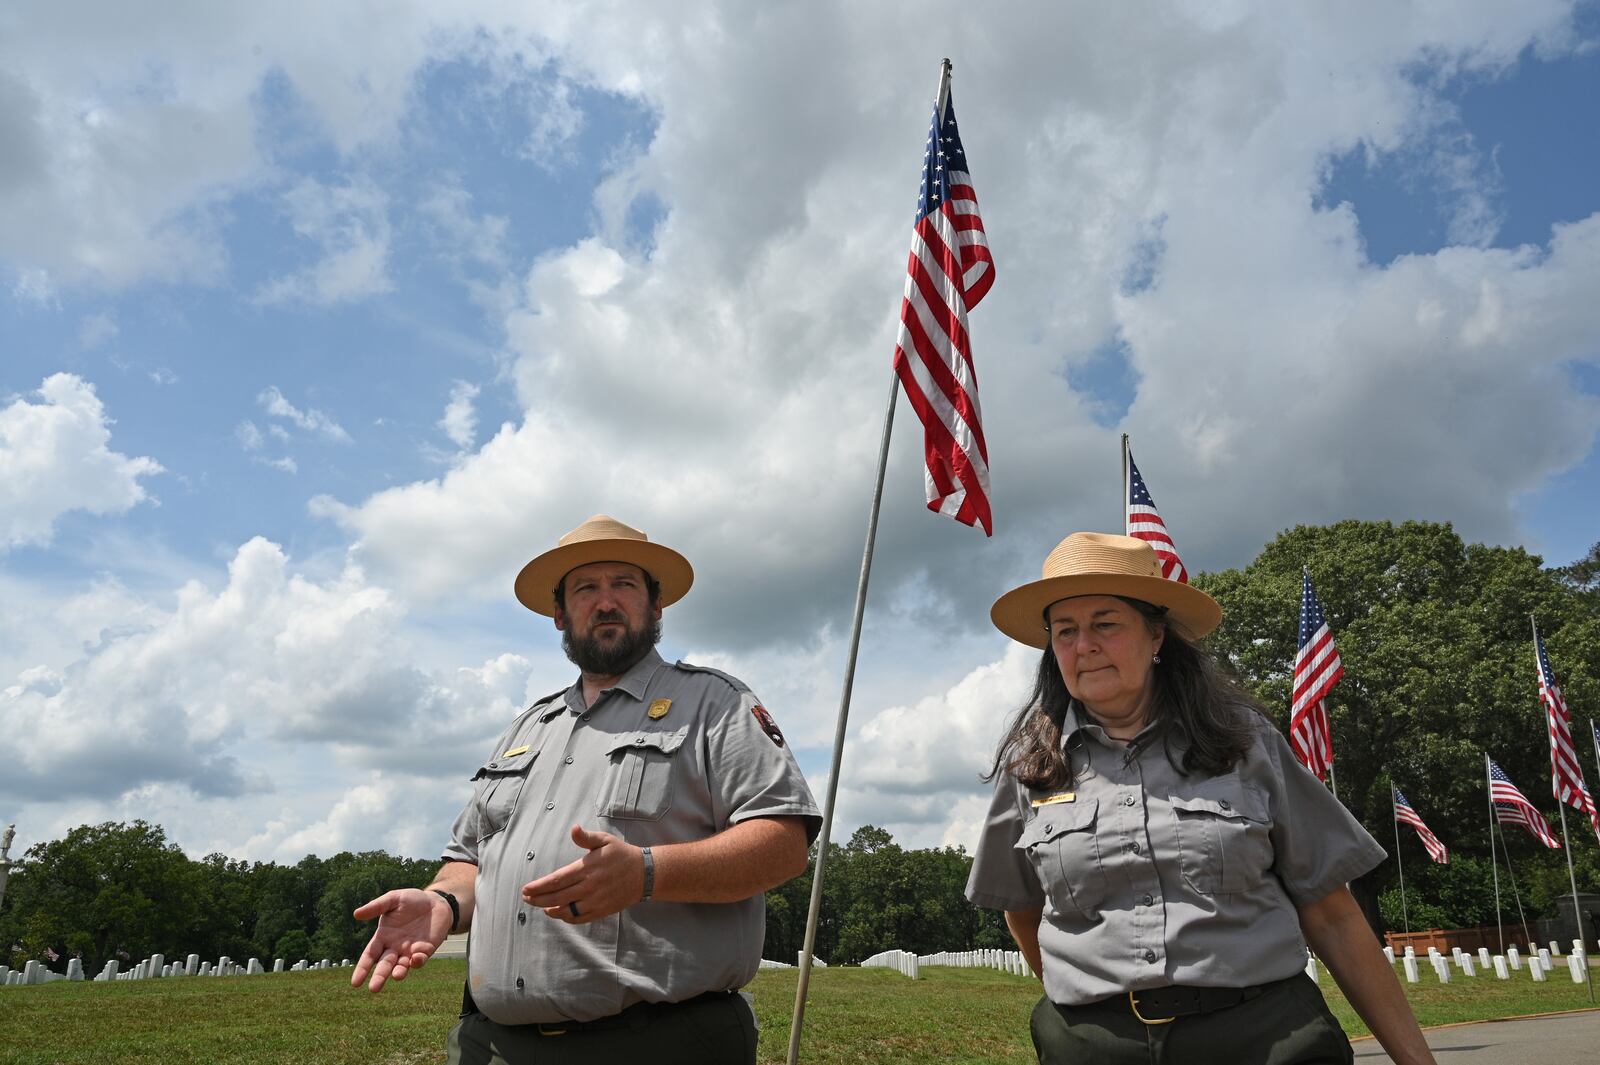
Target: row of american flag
949, 271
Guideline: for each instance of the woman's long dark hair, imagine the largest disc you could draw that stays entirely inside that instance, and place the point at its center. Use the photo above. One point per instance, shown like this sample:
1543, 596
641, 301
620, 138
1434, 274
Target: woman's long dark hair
1197, 701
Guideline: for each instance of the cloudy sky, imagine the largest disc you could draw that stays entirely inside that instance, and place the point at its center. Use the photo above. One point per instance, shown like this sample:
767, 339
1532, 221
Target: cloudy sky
318, 321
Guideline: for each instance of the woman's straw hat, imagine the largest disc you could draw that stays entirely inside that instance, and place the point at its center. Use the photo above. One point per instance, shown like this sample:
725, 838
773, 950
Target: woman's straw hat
601, 539
1087, 563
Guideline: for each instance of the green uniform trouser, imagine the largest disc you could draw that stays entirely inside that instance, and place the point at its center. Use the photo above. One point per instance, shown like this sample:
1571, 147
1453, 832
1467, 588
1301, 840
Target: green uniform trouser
1289, 1024
719, 1031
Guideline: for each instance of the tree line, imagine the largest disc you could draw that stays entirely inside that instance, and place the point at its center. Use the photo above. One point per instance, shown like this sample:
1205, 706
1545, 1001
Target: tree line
1438, 668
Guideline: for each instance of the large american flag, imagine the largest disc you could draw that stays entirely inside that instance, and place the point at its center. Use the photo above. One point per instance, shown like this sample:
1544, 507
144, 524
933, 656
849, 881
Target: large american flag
948, 273
1566, 778
1144, 523
1407, 816
1511, 808
1317, 668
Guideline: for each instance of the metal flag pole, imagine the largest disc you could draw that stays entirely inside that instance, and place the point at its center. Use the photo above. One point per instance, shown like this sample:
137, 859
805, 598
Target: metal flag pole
1527, 936
1405, 914
813, 913
1126, 487
844, 717
1333, 778
1499, 922
1561, 808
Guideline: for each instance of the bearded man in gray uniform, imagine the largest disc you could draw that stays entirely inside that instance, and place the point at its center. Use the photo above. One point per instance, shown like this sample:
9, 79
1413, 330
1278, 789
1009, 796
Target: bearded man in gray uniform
612, 861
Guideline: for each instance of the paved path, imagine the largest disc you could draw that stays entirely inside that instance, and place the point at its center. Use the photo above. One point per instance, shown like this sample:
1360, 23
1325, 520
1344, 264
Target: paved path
1570, 1037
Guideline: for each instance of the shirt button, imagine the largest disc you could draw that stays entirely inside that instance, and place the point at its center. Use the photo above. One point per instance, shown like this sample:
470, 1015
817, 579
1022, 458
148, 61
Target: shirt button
492, 765
583, 717
1047, 828
1224, 804
549, 806
1149, 955
522, 918
519, 983
1149, 900
1127, 800
569, 759
639, 742
1134, 847
530, 856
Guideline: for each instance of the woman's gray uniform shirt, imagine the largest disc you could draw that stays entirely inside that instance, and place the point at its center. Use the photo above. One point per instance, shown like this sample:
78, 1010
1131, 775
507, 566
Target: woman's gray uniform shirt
1148, 877
670, 754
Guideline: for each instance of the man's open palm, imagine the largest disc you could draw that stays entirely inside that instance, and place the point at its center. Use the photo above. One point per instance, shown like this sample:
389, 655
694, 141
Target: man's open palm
411, 925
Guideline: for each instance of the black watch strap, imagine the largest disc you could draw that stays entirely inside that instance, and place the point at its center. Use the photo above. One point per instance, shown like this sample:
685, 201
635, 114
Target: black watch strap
455, 908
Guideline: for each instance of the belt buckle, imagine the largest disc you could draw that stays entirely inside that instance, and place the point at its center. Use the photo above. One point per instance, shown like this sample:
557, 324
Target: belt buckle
1133, 1004
544, 1030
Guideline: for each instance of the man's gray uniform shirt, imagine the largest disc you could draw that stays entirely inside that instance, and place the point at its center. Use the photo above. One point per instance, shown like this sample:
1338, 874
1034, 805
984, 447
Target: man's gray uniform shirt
671, 754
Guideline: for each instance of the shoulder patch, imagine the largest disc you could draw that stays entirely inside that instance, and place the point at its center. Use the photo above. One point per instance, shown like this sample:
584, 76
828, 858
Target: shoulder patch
769, 726
734, 682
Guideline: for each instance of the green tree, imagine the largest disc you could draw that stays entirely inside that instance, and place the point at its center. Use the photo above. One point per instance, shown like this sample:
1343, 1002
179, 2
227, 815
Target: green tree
1437, 649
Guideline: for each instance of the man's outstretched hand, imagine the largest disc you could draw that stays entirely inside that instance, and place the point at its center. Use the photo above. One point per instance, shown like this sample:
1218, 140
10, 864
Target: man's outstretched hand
411, 925
606, 880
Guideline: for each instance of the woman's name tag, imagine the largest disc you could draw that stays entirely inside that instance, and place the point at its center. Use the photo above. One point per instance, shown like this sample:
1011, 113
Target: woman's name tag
1060, 796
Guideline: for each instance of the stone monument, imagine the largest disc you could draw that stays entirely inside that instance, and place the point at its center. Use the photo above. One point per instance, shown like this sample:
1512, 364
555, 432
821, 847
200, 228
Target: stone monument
5, 859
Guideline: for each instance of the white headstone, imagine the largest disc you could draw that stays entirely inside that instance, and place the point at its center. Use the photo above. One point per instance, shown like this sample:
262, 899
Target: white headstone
1311, 968
254, 968
1467, 968
1443, 969
1555, 948
30, 973
157, 964
1500, 970
1576, 966
277, 965
1536, 967
205, 968
74, 968
191, 965
1513, 959
1483, 957
1388, 952
1544, 958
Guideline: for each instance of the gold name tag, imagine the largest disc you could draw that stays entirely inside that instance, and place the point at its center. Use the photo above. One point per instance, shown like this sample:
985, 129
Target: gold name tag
513, 752
1051, 800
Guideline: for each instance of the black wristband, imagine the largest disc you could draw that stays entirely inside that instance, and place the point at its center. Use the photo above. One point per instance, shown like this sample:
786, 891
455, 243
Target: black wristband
455, 907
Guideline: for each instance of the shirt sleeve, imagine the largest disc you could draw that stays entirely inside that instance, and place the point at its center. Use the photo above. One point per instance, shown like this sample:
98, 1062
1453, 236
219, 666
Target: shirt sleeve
1002, 877
1318, 844
463, 846
750, 769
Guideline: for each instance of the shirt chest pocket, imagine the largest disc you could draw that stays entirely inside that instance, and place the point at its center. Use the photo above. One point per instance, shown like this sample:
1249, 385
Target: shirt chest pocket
638, 784
497, 787
1223, 835
1060, 841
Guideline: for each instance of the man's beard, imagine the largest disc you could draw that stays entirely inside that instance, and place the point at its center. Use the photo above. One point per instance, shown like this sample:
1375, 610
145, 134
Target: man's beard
615, 659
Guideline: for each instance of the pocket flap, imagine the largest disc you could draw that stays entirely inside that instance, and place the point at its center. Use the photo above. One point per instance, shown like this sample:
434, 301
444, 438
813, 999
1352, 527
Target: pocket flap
1057, 819
503, 766
665, 742
1224, 796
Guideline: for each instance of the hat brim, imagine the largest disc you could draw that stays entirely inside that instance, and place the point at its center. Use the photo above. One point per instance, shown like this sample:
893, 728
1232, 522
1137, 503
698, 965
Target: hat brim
1020, 612
536, 584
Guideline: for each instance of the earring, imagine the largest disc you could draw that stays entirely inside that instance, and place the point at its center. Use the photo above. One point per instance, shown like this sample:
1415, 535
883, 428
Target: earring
1155, 659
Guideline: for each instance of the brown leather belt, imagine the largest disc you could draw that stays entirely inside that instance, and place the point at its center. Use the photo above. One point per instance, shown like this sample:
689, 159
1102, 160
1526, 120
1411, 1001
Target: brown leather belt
635, 1016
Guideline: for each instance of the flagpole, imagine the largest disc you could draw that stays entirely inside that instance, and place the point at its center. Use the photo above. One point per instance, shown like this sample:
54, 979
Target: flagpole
1561, 808
1333, 778
1505, 849
815, 910
844, 708
1405, 914
1555, 786
1499, 922
1126, 487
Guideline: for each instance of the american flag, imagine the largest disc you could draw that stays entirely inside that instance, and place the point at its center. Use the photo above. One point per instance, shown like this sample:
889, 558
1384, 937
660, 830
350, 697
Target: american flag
1407, 816
1144, 523
1317, 669
1566, 778
948, 273
1511, 808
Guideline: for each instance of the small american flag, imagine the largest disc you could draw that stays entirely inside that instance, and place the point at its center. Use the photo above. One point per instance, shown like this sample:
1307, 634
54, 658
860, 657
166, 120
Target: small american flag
1317, 668
1407, 816
1511, 808
1566, 778
948, 273
1144, 523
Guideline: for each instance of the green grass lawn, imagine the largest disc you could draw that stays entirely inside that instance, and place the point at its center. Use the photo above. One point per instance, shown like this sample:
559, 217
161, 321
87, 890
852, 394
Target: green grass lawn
856, 1016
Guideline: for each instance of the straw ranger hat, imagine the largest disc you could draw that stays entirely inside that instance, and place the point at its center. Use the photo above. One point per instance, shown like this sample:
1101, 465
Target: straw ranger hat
1087, 563
601, 539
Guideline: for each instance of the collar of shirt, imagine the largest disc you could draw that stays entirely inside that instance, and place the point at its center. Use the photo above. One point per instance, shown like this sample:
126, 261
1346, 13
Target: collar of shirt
633, 682
1079, 723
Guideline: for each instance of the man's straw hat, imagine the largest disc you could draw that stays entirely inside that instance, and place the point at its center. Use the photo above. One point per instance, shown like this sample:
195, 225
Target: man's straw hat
1087, 563
601, 539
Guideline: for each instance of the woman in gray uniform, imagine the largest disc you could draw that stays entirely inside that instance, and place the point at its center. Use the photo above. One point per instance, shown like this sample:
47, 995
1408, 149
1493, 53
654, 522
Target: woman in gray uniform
1160, 856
